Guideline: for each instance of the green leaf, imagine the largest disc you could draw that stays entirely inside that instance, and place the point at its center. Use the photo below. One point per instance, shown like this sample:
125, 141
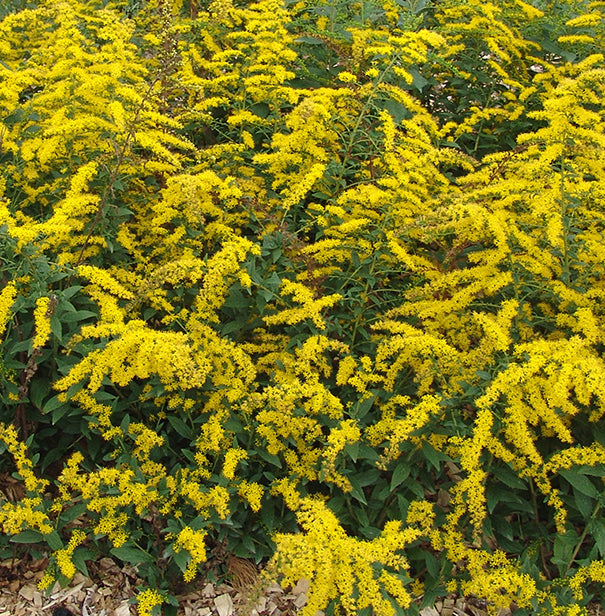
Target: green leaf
234, 424
363, 407
182, 559
52, 404
180, 426
352, 450
368, 477
167, 610
132, 555
79, 558
71, 513
357, 492
361, 515
433, 456
267, 516
236, 299
400, 474
309, 40
579, 482
38, 390
269, 457
584, 504
508, 477
593, 471
125, 423
77, 315
563, 549
432, 565
71, 291
498, 495
368, 453
54, 540
59, 412
503, 527
28, 536
56, 328
398, 111
233, 326
419, 80
596, 528
249, 544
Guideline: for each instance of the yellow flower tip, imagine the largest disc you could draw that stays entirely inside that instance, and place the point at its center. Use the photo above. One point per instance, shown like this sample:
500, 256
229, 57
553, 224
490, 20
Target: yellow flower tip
322, 23
47, 581
42, 314
347, 77
232, 457
147, 600
7, 299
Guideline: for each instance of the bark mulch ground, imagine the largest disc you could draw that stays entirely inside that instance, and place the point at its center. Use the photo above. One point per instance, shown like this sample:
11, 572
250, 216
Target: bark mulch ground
110, 591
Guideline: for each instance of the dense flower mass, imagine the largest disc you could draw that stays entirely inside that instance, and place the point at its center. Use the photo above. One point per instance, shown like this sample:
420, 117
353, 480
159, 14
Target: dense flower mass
314, 283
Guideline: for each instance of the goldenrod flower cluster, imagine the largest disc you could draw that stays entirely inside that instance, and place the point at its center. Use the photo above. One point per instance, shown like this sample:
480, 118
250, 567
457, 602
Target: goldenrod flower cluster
7, 297
42, 322
194, 542
147, 600
63, 556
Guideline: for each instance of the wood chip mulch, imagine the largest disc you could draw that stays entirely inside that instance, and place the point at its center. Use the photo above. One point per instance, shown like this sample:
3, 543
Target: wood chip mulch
112, 590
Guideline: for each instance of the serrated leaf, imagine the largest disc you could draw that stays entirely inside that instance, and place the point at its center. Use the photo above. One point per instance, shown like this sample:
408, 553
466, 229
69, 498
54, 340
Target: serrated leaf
71, 513
38, 390
79, 558
356, 491
28, 536
352, 450
584, 503
563, 549
131, 555
180, 426
596, 528
400, 474
508, 477
579, 482
77, 315
182, 559
269, 457
433, 456
363, 407
71, 291
54, 540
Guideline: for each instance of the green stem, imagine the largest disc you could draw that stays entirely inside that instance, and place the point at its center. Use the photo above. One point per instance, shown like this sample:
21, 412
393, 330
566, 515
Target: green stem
534, 501
360, 117
582, 537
